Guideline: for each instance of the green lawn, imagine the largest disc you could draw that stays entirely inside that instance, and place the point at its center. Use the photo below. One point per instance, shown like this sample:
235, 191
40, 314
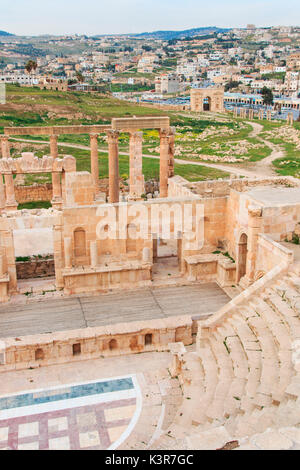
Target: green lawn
290, 164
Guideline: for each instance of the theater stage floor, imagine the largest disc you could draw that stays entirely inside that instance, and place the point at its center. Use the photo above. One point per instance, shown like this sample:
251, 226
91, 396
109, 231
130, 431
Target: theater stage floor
126, 306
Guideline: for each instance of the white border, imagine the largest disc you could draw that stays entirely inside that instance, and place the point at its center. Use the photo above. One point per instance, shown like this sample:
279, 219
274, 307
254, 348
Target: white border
134, 419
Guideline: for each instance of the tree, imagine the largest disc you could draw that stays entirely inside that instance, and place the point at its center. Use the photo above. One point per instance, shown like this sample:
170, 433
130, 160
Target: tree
231, 84
267, 95
232, 61
31, 65
80, 77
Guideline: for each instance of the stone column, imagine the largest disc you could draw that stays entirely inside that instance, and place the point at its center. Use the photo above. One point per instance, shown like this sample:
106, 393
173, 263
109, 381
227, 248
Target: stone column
68, 252
113, 164
171, 152
7, 242
59, 257
53, 146
2, 194
164, 163
56, 184
136, 177
5, 147
94, 160
254, 228
11, 203
93, 253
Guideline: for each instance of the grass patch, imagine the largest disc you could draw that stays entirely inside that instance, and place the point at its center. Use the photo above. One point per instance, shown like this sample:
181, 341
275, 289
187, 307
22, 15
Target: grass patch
35, 205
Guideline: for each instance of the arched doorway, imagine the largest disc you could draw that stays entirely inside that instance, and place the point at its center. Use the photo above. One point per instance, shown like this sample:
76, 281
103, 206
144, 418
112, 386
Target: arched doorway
207, 104
242, 257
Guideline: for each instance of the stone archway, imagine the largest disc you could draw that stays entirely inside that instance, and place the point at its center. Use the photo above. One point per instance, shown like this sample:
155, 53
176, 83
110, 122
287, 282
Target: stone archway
242, 251
207, 104
207, 99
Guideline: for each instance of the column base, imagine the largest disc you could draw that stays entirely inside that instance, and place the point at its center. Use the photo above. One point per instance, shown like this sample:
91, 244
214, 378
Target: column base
12, 206
56, 203
134, 197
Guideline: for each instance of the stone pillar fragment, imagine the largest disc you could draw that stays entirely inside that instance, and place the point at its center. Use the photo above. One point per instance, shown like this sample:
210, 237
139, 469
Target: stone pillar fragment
53, 146
171, 152
5, 147
164, 163
7, 243
68, 252
94, 160
136, 177
94, 253
11, 203
2, 194
113, 163
56, 183
254, 228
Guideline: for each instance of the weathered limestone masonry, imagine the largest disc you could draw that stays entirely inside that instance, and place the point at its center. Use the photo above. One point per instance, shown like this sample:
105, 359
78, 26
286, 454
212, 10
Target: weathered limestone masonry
37, 192
111, 340
290, 119
136, 178
131, 125
214, 98
113, 165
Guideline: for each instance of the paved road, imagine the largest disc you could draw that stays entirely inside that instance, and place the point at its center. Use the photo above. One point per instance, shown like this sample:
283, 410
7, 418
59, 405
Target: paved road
140, 304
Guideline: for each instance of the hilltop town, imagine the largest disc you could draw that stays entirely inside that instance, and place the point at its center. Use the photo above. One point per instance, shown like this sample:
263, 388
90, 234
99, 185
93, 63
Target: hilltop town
160, 66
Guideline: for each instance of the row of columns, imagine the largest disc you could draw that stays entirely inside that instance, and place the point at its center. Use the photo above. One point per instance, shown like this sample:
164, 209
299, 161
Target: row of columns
244, 113
136, 178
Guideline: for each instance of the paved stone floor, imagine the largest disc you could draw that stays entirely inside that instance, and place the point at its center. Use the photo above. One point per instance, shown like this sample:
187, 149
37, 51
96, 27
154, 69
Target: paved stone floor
80, 312
85, 406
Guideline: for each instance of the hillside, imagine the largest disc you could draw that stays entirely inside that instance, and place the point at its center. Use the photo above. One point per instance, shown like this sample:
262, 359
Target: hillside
4, 33
167, 35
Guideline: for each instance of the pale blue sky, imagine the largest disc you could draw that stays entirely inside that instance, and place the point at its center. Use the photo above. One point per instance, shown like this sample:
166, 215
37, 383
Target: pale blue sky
32, 17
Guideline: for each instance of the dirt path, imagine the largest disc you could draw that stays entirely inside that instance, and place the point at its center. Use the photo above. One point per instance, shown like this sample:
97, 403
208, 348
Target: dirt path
257, 169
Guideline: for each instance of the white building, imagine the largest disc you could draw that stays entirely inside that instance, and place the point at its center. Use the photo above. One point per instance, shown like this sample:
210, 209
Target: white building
22, 79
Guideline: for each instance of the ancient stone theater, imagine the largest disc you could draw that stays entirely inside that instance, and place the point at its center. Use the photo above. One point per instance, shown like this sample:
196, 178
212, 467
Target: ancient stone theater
163, 323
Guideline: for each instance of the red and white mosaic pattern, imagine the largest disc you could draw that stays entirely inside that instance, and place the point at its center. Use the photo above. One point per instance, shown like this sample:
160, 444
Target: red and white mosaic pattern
91, 427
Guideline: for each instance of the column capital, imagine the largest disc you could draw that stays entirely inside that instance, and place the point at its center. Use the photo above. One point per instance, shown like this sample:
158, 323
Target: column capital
53, 137
136, 135
113, 136
93, 135
172, 131
255, 211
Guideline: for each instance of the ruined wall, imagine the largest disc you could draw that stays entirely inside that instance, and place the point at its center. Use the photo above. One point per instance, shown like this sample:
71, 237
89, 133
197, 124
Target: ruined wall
280, 222
270, 254
39, 192
35, 268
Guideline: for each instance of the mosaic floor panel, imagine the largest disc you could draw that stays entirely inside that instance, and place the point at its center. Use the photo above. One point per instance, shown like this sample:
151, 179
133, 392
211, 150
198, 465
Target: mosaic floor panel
92, 415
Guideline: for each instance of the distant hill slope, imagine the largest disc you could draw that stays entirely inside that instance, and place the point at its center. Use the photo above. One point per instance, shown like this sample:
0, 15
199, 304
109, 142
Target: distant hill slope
4, 33
167, 35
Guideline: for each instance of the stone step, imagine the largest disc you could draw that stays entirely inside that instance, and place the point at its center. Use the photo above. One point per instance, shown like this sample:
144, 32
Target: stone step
212, 439
225, 377
288, 315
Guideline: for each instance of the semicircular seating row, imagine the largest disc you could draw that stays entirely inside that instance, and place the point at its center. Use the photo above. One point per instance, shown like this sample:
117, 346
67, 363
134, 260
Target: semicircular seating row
243, 377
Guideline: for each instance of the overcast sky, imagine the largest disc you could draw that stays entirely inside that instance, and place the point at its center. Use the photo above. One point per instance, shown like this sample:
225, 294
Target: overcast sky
33, 17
